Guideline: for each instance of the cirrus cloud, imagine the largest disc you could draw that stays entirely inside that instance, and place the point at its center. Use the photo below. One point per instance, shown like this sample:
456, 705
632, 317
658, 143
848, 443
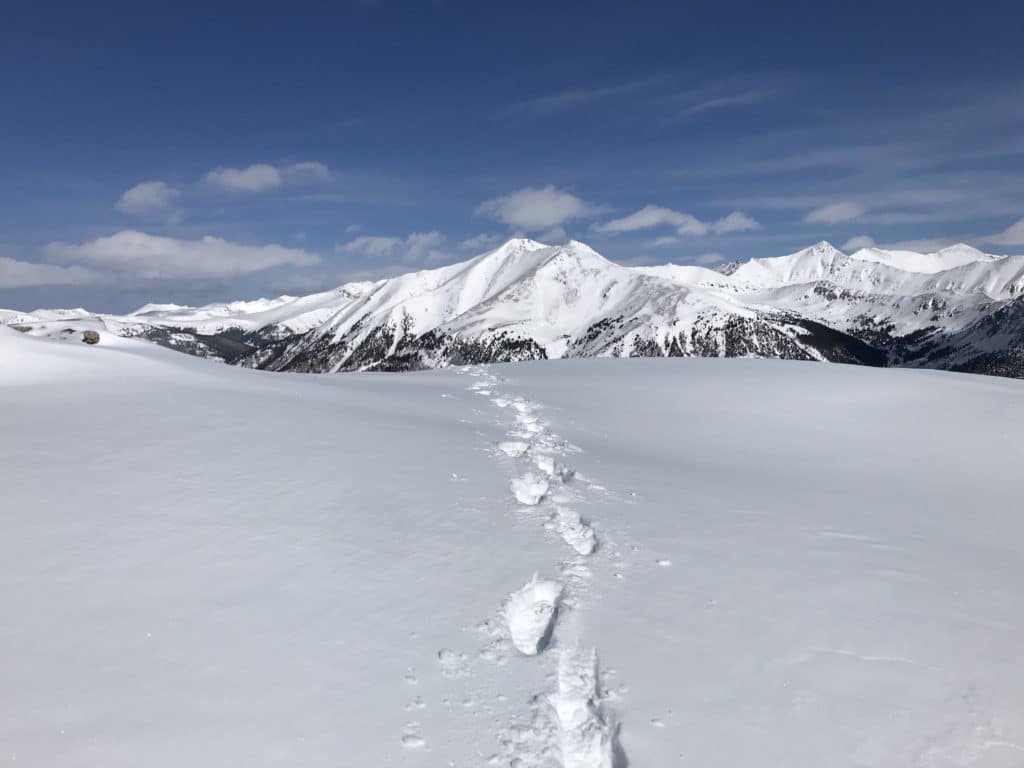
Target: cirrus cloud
154, 257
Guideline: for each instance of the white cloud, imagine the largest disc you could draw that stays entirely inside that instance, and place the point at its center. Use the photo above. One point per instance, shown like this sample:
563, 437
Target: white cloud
834, 213
665, 242
656, 216
261, 176
708, 259
255, 178
307, 171
858, 242
554, 235
367, 245
147, 197
353, 228
26, 274
479, 243
753, 96
651, 216
419, 247
1012, 235
578, 95
737, 221
534, 209
153, 257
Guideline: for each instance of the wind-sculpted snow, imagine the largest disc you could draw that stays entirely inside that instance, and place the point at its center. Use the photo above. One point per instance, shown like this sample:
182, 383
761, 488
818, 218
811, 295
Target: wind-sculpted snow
529, 301
748, 563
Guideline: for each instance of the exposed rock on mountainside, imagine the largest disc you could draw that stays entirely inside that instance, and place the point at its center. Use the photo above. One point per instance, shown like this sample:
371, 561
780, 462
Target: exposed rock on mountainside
958, 309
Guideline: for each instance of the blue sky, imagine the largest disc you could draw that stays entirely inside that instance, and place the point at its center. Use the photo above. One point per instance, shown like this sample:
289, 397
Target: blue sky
192, 152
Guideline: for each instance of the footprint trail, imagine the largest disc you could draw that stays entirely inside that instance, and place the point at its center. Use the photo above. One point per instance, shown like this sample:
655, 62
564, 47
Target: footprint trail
572, 726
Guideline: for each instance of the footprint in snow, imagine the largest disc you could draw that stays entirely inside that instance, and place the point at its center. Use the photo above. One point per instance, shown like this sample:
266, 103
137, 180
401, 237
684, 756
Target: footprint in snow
513, 448
411, 736
588, 736
529, 489
530, 613
576, 533
552, 468
452, 664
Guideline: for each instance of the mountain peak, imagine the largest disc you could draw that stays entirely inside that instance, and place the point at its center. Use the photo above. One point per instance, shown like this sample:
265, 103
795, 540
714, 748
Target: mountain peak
824, 247
521, 244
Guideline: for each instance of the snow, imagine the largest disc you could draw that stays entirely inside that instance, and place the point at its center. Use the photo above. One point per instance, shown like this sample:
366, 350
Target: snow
530, 613
295, 314
927, 263
797, 564
569, 301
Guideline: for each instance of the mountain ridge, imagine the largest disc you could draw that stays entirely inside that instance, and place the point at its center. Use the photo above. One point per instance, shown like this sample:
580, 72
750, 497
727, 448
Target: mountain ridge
528, 300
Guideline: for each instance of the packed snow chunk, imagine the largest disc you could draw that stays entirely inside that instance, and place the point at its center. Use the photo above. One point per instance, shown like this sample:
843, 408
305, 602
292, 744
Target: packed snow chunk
513, 448
531, 428
529, 489
587, 736
527, 418
552, 468
576, 533
530, 614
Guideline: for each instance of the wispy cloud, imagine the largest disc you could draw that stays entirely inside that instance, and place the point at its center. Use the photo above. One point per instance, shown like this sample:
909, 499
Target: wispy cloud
575, 96
261, 176
651, 216
709, 259
744, 98
737, 221
858, 242
723, 94
479, 243
1012, 235
416, 248
834, 213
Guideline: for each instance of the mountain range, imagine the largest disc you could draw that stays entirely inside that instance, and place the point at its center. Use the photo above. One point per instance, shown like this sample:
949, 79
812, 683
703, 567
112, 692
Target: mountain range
955, 309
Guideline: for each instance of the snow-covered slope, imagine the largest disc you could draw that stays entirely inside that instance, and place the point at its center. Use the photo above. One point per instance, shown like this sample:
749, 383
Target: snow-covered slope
528, 301
287, 314
525, 300
737, 564
927, 263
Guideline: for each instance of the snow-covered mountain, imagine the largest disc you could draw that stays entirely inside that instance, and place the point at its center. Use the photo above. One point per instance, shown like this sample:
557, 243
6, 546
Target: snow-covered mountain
957, 308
